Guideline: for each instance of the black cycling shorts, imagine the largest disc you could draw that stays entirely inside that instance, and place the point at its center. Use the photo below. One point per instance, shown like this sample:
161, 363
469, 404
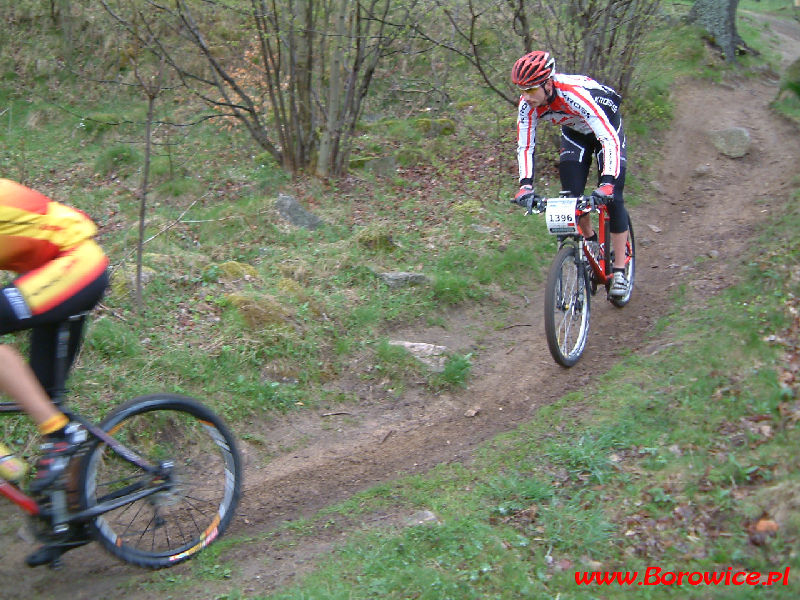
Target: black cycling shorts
15, 315
575, 162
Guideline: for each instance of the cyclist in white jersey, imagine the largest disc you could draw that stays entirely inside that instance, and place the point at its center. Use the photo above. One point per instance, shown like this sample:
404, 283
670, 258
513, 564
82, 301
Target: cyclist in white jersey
590, 121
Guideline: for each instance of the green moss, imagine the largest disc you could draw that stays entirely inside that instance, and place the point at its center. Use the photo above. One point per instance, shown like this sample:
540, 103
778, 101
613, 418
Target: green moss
259, 312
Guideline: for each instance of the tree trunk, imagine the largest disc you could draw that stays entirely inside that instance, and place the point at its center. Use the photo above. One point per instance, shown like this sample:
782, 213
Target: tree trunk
718, 18
279, 78
302, 47
148, 136
61, 14
333, 119
152, 88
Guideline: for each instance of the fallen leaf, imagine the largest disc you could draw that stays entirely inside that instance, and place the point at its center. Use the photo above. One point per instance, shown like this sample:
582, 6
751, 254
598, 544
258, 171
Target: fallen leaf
766, 526
563, 564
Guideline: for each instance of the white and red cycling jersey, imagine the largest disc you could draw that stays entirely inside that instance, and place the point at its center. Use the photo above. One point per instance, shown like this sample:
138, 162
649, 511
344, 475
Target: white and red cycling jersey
580, 104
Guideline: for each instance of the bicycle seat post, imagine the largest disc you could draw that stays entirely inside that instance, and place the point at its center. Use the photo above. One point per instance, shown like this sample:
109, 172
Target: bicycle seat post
59, 390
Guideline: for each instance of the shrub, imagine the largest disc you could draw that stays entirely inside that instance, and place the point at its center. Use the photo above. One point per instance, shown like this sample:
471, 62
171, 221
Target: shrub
120, 158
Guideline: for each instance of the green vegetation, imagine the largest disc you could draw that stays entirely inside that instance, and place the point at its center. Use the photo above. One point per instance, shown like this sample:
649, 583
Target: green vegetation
788, 100
678, 476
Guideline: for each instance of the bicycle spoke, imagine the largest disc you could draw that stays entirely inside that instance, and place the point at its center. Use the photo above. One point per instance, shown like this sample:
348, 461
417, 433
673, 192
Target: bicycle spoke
566, 308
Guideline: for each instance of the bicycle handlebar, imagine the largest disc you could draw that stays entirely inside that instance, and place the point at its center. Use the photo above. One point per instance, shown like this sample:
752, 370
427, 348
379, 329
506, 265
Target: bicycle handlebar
529, 201
536, 204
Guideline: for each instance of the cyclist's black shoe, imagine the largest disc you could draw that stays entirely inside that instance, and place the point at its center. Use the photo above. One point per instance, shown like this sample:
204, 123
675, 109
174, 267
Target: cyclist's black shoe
54, 461
51, 553
46, 555
56, 453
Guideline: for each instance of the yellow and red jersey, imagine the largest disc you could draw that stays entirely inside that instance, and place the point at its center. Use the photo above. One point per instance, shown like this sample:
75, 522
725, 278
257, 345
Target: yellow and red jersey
49, 244
34, 229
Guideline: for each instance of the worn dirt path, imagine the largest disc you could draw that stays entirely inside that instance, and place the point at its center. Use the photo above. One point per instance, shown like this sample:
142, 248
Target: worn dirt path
701, 202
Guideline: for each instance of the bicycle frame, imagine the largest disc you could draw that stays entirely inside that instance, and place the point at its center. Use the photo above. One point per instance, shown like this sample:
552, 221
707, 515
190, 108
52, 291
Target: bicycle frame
125, 496
567, 305
18, 497
602, 266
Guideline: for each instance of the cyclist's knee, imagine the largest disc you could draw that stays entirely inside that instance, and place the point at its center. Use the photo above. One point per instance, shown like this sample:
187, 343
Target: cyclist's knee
618, 216
573, 176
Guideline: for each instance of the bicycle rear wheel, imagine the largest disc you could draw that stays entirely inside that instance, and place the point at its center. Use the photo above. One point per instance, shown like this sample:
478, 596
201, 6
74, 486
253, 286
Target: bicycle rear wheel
630, 268
566, 307
202, 489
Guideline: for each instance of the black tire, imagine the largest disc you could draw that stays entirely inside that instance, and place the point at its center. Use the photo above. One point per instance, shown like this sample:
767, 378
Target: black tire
630, 268
169, 526
567, 307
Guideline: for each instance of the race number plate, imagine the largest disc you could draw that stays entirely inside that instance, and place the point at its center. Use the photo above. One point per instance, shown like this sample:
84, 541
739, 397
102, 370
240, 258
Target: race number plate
560, 215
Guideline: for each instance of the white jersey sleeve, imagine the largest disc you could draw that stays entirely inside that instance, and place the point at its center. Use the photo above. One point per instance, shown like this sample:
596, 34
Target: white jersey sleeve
526, 139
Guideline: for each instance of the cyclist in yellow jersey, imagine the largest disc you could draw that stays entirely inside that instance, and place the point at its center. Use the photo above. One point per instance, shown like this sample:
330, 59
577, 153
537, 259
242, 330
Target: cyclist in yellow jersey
61, 272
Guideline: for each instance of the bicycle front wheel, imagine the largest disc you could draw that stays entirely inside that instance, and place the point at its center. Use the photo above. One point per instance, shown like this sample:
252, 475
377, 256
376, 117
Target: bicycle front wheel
566, 307
197, 497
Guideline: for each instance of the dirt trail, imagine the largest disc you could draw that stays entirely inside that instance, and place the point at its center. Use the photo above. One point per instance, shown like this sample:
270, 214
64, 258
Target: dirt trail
702, 202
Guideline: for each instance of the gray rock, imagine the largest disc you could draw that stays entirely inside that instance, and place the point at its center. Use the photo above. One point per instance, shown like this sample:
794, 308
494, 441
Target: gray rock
734, 142
658, 187
702, 171
291, 210
401, 279
383, 166
431, 355
423, 517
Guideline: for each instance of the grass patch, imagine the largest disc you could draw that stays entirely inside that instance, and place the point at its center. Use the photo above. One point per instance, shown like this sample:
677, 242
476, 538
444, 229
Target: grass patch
455, 374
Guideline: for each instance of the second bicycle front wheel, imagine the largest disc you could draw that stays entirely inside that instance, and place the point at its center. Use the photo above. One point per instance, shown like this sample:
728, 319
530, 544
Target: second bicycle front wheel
197, 494
566, 307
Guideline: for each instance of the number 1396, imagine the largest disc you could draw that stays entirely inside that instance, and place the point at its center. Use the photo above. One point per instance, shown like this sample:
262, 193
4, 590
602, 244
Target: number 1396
561, 218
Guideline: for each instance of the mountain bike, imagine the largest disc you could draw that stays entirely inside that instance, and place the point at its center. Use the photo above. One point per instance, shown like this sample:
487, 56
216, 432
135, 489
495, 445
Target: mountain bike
577, 271
154, 483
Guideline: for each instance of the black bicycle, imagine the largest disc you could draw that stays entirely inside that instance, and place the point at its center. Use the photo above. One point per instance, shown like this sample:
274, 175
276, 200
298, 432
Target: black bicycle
155, 482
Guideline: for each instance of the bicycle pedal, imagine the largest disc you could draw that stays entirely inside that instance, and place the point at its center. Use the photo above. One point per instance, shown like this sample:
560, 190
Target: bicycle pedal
50, 554
46, 555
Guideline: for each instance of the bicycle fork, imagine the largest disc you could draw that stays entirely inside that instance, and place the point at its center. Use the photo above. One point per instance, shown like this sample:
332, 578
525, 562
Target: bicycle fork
572, 298
584, 266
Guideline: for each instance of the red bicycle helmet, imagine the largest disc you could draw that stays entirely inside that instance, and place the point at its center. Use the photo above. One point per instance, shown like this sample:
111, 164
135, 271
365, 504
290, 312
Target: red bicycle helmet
533, 69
